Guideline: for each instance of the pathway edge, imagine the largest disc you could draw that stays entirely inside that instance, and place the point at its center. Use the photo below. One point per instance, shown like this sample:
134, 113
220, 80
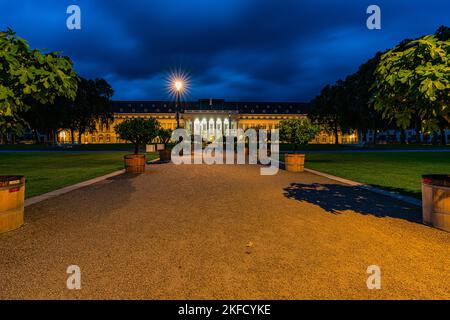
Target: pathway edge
59, 192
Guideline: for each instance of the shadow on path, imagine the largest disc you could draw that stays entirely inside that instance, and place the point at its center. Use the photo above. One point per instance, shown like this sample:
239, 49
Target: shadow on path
335, 198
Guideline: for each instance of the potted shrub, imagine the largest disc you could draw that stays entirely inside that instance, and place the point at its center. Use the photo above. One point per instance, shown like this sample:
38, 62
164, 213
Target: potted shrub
164, 136
297, 132
139, 132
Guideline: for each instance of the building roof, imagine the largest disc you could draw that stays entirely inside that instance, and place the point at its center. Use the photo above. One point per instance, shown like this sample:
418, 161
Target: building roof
155, 107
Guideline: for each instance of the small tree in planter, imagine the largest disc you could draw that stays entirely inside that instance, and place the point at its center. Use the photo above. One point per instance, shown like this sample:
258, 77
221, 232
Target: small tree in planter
297, 132
164, 136
139, 132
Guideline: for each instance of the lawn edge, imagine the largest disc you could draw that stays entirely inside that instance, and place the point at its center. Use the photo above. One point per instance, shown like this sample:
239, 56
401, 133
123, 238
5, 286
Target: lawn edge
390, 194
59, 192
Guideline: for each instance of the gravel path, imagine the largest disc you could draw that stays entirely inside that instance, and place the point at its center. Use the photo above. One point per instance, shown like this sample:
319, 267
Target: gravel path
223, 232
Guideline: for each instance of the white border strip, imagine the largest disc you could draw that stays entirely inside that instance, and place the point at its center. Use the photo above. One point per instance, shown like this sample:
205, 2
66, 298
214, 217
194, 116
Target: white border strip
59, 192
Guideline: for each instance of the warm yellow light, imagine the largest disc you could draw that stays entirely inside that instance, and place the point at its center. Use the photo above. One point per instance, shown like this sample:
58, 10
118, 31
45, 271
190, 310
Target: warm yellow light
179, 85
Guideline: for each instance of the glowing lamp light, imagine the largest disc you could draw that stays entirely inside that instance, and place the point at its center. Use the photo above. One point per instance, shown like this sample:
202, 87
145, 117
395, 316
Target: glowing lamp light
178, 85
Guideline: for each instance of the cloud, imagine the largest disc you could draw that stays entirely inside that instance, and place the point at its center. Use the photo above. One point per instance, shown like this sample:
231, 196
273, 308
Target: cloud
234, 49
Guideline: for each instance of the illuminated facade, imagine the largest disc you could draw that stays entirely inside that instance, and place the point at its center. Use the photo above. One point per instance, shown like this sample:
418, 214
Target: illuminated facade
206, 117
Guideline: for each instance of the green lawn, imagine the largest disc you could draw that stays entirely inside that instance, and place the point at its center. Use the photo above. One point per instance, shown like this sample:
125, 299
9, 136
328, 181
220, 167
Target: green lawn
48, 171
349, 147
396, 171
76, 147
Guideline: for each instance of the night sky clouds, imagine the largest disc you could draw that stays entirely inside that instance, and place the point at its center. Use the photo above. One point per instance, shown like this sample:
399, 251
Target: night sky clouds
270, 50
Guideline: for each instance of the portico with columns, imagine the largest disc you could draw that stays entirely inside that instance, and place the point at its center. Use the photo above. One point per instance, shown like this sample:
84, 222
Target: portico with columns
211, 124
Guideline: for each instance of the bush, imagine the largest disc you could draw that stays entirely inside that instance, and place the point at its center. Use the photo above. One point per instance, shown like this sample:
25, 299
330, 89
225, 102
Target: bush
138, 131
298, 131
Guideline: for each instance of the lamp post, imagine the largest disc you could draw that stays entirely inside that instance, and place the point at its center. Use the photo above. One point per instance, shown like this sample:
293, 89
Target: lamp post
178, 86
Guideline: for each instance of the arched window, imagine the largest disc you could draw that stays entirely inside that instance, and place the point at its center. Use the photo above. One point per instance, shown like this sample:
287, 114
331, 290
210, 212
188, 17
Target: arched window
197, 128
212, 128
226, 127
219, 128
204, 127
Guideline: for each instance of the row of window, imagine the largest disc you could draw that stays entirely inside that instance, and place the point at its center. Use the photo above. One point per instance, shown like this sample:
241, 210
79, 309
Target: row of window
101, 139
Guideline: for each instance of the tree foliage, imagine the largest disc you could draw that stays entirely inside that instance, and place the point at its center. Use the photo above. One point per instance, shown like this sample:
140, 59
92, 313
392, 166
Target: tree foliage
92, 105
138, 131
414, 79
298, 131
164, 135
29, 75
10, 125
330, 109
361, 113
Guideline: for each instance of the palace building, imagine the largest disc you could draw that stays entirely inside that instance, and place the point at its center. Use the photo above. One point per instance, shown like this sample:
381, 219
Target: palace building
206, 117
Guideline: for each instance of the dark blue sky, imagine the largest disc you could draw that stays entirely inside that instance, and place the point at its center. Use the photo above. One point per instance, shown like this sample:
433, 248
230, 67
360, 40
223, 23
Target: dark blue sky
273, 50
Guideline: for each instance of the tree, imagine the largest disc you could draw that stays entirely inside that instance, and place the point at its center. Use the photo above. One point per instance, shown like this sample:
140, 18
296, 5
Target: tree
414, 78
46, 119
28, 76
92, 105
297, 131
330, 109
10, 126
138, 131
361, 113
165, 135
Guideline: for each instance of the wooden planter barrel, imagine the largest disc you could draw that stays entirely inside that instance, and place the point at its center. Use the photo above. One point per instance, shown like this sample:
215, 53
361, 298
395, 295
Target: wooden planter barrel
135, 163
436, 201
294, 162
165, 155
12, 198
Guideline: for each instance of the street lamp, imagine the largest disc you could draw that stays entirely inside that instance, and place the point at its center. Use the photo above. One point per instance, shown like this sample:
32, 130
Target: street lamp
177, 82
178, 86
